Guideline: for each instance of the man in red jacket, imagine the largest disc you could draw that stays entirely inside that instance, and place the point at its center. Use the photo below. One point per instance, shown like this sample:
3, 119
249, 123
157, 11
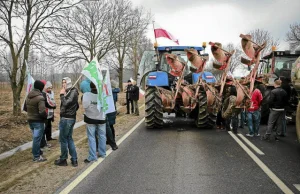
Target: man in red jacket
253, 114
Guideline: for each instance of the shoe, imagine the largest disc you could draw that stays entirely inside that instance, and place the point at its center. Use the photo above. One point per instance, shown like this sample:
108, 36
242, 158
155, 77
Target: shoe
257, 134
127, 113
249, 135
60, 162
86, 161
51, 139
49, 145
39, 159
74, 163
114, 147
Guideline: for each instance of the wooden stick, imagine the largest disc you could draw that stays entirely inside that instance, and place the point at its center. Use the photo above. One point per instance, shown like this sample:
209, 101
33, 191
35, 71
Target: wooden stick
74, 84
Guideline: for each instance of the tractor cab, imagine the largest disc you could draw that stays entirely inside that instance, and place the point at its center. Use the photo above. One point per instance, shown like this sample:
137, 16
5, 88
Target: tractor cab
154, 69
279, 63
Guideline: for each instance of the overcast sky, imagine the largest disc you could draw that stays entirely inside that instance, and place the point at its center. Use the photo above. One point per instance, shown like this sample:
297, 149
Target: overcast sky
196, 21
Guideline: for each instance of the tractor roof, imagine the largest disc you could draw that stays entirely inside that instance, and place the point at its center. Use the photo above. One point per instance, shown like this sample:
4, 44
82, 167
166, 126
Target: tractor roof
281, 54
178, 48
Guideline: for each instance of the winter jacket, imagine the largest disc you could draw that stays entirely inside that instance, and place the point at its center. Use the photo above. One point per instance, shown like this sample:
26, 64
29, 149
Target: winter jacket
91, 113
111, 117
69, 104
35, 107
134, 93
256, 100
128, 92
115, 92
278, 98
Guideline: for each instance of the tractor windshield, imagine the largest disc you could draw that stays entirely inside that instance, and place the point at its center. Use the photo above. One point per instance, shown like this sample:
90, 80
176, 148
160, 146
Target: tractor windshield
283, 64
182, 57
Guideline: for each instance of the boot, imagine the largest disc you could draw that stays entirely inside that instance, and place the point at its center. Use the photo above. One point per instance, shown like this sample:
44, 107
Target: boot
60, 162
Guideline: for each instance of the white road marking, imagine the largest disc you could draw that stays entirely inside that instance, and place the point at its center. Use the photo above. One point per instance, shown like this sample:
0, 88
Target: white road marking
297, 186
74, 183
272, 176
258, 151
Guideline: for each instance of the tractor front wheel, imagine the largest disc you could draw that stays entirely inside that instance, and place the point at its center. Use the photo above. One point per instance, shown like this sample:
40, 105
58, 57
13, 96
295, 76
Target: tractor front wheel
205, 119
153, 108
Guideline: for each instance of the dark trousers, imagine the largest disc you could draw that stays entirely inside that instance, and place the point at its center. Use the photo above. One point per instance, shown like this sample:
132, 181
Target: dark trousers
110, 135
48, 129
275, 119
234, 120
43, 140
128, 102
220, 121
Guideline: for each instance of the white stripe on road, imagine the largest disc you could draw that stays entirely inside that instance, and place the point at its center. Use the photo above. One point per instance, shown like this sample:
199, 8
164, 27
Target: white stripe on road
74, 183
297, 186
272, 176
258, 151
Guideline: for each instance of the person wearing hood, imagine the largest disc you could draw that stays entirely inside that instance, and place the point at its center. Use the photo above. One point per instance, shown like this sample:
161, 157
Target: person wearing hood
36, 116
50, 106
68, 107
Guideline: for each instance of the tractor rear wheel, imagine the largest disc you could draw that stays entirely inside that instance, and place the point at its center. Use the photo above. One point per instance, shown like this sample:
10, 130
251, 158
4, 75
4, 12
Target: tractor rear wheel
298, 122
153, 108
205, 119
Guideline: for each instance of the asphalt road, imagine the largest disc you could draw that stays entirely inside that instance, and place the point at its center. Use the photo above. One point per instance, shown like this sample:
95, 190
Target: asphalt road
182, 159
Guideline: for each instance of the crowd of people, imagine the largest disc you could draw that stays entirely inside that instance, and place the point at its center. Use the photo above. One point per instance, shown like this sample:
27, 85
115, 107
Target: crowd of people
235, 118
40, 106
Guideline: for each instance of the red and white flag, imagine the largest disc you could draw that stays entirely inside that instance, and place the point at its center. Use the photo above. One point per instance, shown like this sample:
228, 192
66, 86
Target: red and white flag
161, 32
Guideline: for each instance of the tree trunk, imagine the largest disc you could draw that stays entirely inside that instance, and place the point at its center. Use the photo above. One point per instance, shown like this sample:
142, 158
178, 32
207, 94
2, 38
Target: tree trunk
16, 103
121, 78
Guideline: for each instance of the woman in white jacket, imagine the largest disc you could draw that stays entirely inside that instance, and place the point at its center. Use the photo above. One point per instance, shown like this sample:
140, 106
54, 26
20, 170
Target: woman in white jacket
96, 124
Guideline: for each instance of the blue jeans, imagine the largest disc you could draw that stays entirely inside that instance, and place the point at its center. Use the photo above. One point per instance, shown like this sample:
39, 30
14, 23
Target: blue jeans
37, 130
66, 139
92, 130
253, 121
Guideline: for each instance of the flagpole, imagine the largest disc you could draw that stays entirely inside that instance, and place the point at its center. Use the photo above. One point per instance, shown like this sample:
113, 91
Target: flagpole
75, 83
155, 48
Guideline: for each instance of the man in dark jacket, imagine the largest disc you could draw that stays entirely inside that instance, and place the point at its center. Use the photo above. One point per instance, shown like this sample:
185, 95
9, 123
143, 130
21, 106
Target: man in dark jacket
36, 115
277, 102
68, 107
135, 92
128, 97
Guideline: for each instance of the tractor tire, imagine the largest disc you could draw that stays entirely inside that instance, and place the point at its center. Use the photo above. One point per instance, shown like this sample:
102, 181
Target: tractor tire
153, 109
265, 111
298, 122
205, 119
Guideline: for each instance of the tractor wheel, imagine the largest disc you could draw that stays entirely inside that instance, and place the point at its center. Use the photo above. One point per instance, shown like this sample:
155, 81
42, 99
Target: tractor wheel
205, 119
298, 122
153, 109
265, 111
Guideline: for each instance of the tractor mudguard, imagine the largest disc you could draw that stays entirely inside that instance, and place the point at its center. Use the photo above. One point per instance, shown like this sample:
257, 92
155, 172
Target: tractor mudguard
157, 78
207, 76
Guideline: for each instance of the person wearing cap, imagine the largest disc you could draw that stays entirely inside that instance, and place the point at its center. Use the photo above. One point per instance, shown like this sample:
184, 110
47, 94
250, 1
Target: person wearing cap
277, 102
50, 106
68, 108
115, 91
253, 113
128, 97
36, 116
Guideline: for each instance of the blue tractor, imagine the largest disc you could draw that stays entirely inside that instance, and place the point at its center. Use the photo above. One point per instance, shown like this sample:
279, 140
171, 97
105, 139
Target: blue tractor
189, 94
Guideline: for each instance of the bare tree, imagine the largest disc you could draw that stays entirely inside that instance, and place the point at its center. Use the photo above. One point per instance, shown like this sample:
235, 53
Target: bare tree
86, 31
236, 58
260, 36
293, 36
20, 23
139, 43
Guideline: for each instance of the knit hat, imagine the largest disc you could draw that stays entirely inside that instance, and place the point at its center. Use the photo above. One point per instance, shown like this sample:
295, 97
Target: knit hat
48, 84
44, 81
38, 85
68, 82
